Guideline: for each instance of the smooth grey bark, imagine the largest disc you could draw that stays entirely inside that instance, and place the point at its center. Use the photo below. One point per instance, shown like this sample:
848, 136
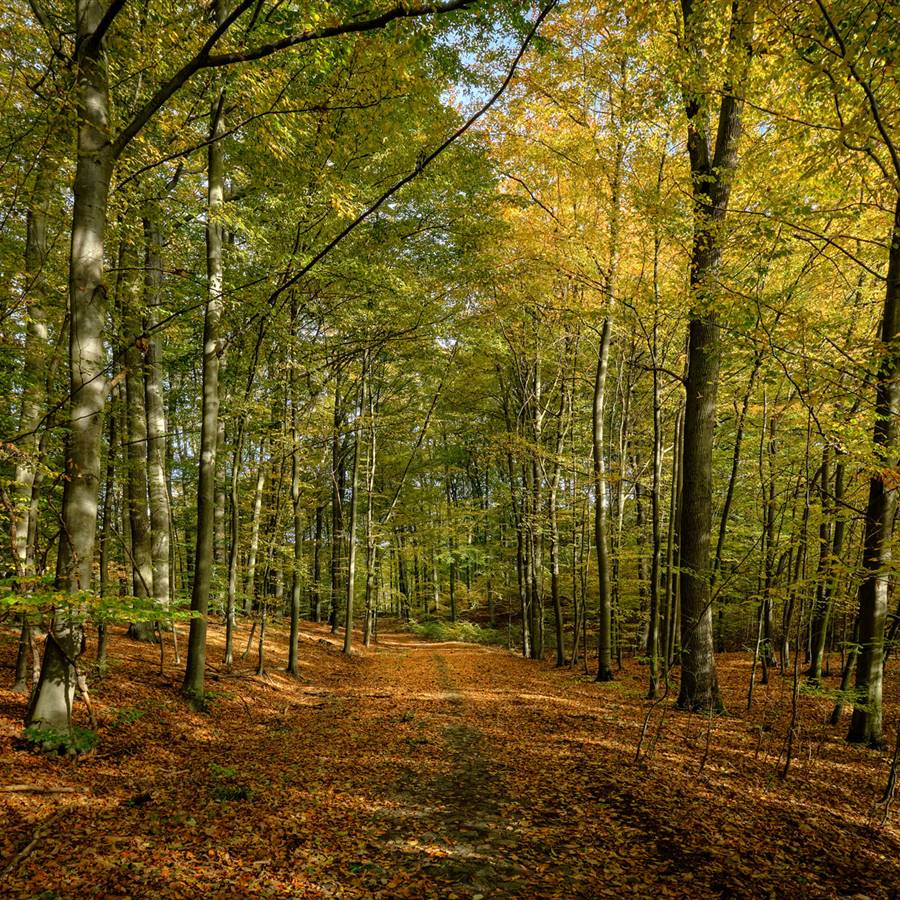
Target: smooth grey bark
315, 588
601, 539
234, 546
623, 389
769, 549
52, 699
533, 404
20, 685
668, 637
160, 512
713, 164
402, 583
351, 527
656, 540
219, 517
846, 676
195, 670
294, 636
767, 539
337, 502
838, 528
371, 599
577, 545
601, 543
799, 573
35, 356
436, 583
106, 527
272, 570
129, 291
554, 567
641, 547
563, 423
297, 510
255, 519
451, 544
517, 501
537, 563
34, 400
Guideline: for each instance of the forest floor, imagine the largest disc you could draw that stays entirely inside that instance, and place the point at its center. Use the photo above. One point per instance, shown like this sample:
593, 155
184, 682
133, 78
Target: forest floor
438, 770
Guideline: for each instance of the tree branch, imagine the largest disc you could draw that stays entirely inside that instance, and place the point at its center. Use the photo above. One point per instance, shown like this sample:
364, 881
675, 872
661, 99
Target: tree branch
205, 60
54, 39
92, 44
872, 100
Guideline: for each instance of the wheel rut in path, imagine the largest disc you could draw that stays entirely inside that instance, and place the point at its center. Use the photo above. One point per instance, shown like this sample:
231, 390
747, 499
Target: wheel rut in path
450, 782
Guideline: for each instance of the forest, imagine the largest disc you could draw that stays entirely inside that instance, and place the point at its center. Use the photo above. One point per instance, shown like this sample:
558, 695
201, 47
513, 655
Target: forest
449, 448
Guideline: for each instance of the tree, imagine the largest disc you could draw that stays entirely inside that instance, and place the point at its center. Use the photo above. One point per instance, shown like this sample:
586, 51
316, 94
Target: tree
713, 164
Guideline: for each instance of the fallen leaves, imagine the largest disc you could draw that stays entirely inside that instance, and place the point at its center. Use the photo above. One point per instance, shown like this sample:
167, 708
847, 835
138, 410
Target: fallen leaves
437, 771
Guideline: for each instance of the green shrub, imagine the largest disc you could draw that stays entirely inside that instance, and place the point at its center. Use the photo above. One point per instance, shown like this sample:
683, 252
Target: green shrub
227, 788
468, 632
127, 716
66, 742
231, 792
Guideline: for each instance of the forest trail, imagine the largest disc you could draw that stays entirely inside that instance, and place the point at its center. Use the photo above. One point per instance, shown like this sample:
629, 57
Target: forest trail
434, 770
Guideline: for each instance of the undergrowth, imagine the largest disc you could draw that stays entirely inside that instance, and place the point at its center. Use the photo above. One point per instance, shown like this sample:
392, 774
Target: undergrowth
468, 632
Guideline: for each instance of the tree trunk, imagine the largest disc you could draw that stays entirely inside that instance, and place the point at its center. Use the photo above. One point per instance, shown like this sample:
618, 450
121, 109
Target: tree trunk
221, 500
296, 496
712, 172
769, 497
35, 357
141, 560
656, 542
194, 676
255, 519
866, 723
351, 524
160, 514
562, 425
33, 400
402, 585
351, 535
729, 495
604, 625
699, 685
106, 529
846, 675
436, 582
670, 614
337, 502
818, 625
51, 702
234, 546
315, 591
371, 542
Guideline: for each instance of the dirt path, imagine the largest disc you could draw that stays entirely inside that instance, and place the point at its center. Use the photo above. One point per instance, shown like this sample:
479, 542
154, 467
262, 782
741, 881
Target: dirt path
435, 770
460, 819
480, 790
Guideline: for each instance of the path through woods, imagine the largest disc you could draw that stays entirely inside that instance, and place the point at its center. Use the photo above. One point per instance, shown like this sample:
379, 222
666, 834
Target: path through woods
437, 770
